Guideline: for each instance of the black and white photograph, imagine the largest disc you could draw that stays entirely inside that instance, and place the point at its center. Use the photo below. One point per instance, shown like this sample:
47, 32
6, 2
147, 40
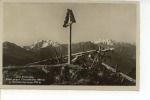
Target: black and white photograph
70, 44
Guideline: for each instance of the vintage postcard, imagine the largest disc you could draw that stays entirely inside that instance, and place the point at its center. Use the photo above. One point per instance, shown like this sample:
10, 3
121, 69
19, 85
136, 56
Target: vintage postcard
70, 45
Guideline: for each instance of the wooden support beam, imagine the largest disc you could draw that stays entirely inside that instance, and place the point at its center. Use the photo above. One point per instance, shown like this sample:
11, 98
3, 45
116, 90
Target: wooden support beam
69, 45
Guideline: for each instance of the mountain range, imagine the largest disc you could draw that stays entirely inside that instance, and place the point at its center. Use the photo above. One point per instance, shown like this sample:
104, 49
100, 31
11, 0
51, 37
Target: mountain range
14, 55
42, 44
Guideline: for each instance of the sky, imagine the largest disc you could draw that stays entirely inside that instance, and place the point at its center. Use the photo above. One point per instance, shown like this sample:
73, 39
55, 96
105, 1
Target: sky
25, 23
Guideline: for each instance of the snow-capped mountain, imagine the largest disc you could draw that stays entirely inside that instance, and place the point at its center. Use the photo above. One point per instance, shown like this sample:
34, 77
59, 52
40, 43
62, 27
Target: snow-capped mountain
43, 43
105, 41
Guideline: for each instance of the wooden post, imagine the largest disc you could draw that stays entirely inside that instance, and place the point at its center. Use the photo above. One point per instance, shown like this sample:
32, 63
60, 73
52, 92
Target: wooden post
69, 45
69, 20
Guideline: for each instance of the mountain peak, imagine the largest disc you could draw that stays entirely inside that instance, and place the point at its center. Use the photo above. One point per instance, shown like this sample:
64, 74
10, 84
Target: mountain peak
105, 41
44, 43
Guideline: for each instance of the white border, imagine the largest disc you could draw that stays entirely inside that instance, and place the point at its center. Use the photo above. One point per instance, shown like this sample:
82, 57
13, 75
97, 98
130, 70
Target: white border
55, 87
